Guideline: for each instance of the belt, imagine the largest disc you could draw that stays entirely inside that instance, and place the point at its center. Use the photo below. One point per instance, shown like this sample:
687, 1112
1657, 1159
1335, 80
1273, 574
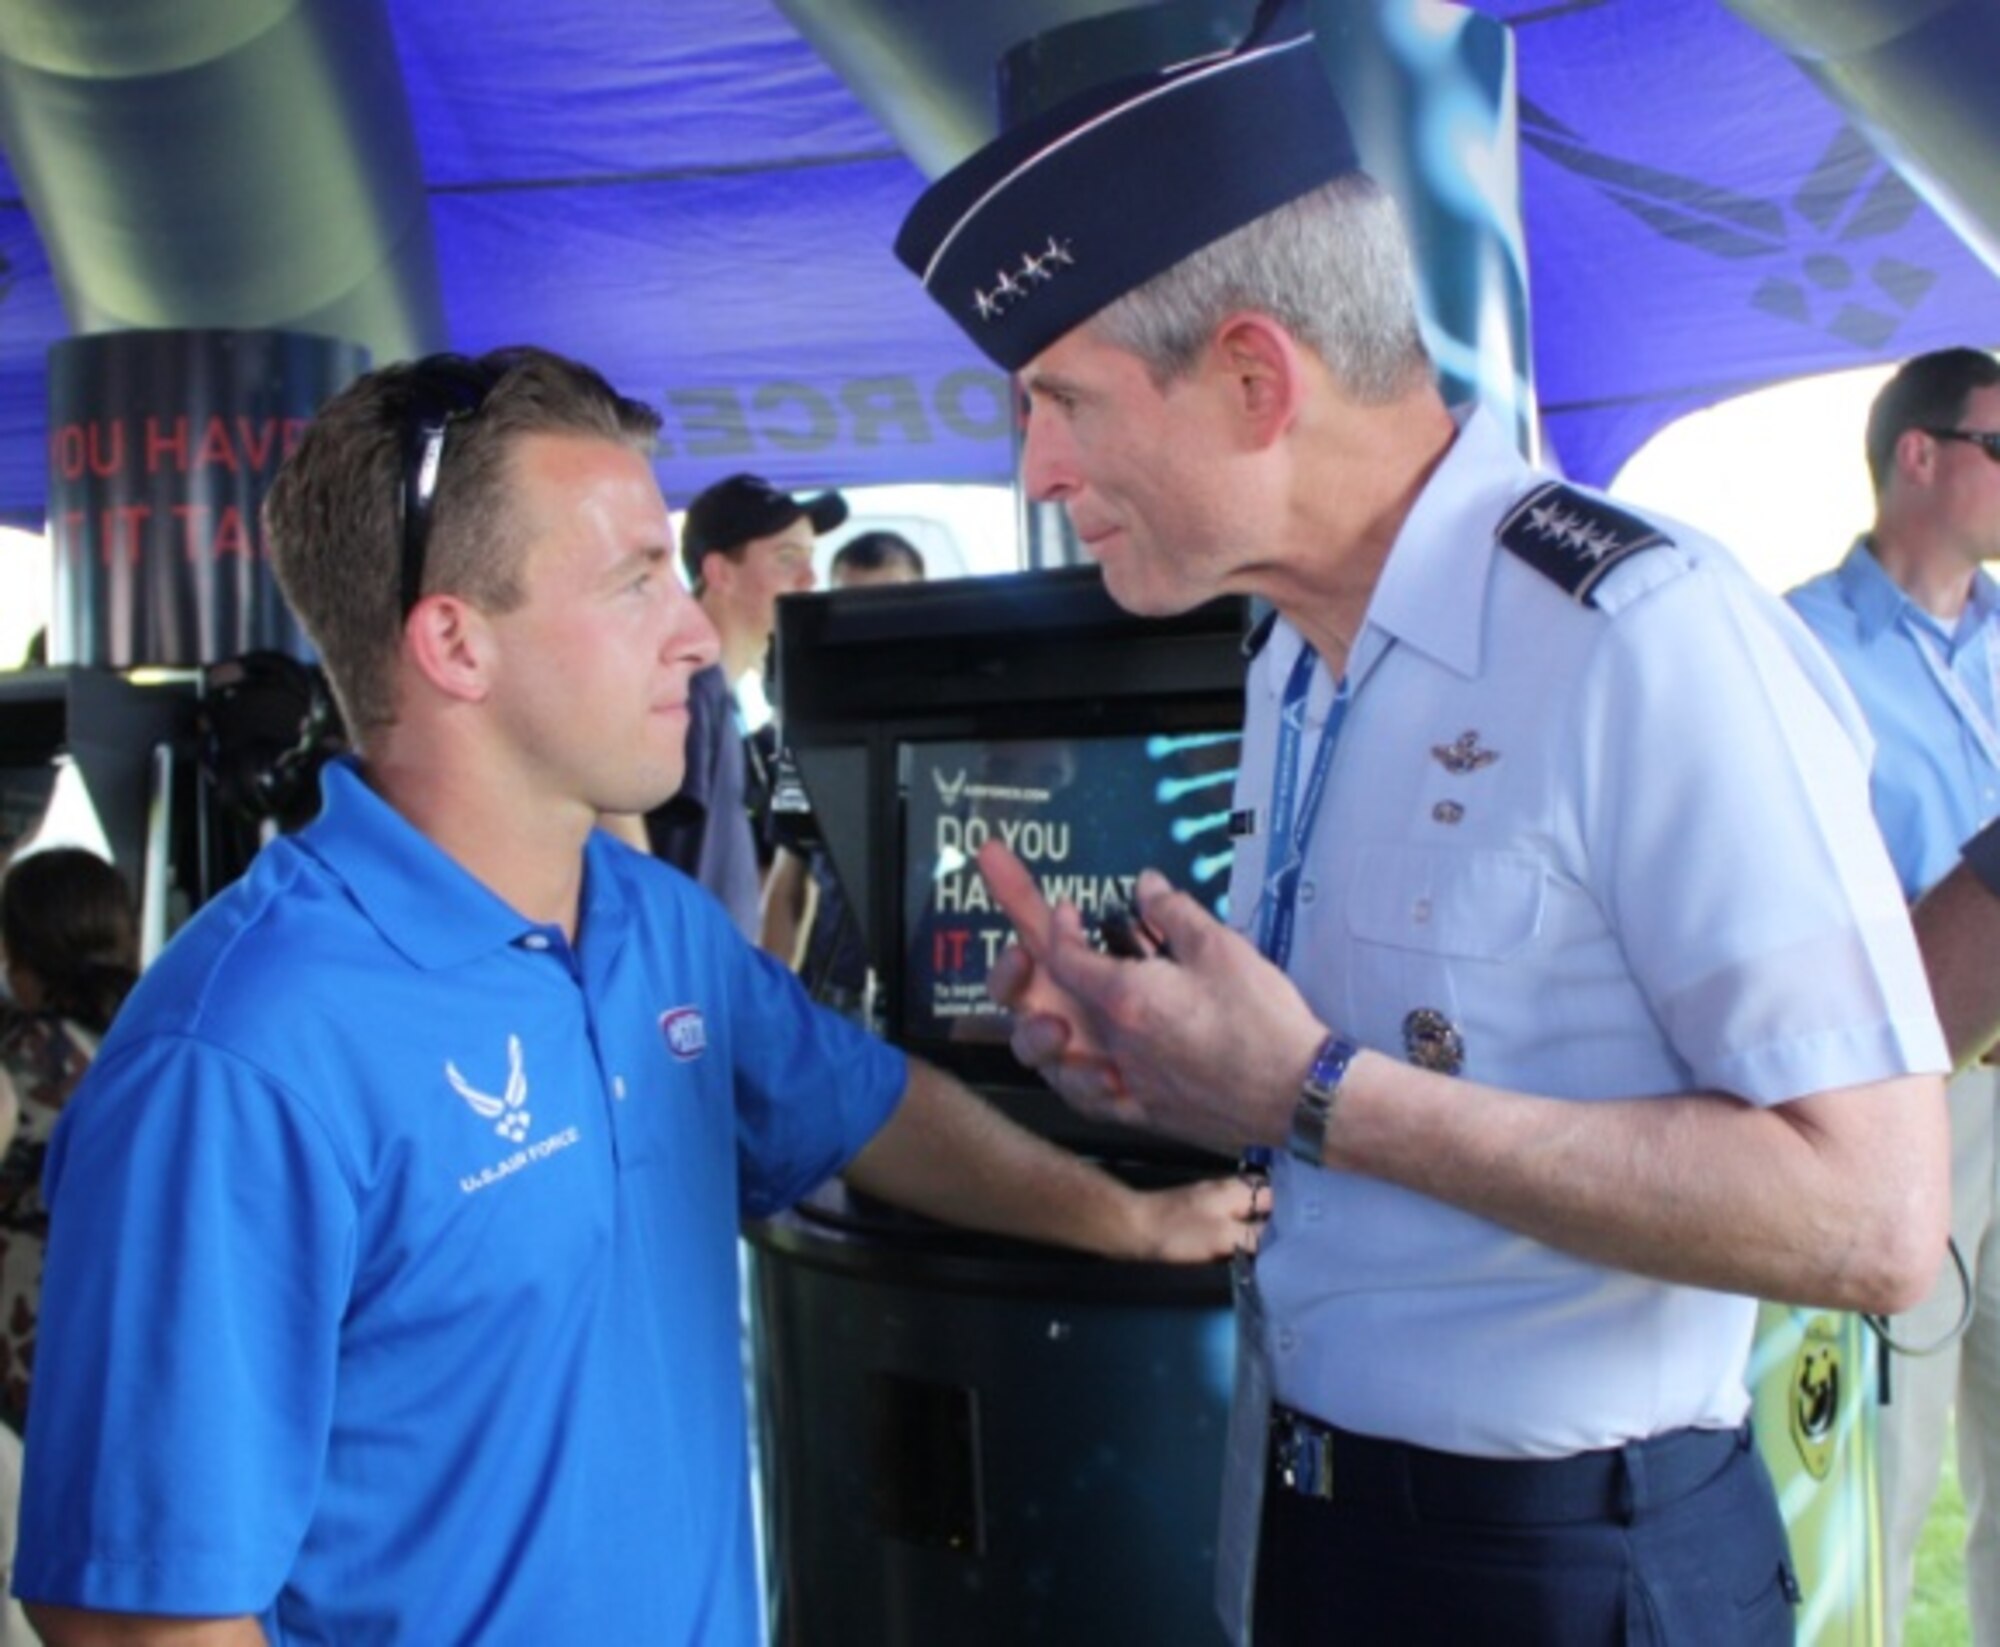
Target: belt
1309, 1459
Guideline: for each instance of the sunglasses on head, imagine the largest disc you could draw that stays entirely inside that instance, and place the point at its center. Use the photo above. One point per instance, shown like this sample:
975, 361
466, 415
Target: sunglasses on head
444, 392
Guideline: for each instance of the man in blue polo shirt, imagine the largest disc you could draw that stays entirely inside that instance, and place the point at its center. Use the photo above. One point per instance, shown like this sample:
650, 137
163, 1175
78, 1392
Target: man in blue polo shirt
393, 1279
1912, 618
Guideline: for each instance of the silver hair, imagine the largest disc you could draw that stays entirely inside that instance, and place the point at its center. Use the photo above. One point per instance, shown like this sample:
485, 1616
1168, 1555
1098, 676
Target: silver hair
1332, 267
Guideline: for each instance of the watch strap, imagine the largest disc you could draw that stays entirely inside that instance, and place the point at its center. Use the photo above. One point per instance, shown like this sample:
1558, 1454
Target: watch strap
1316, 1097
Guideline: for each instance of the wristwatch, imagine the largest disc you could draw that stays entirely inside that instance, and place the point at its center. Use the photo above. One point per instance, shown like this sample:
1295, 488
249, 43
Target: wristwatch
1316, 1095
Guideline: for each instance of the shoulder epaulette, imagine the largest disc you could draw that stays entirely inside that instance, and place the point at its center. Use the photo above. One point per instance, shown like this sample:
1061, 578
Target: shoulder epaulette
1574, 538
1260, 634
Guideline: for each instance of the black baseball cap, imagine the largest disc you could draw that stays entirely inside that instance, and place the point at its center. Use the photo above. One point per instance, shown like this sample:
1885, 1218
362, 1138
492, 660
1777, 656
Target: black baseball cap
744, 507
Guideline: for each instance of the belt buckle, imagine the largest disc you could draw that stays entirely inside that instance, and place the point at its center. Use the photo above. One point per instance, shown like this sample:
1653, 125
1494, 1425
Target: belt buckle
1305, 1459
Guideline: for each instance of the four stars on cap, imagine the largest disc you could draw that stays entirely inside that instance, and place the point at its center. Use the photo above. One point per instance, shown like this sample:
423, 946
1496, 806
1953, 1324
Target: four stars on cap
1010, 286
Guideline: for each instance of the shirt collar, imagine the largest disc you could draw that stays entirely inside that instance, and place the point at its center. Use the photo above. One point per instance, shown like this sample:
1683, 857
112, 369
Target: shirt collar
426, 904
1878, 601
1444, 548
1983, 605
1874, 597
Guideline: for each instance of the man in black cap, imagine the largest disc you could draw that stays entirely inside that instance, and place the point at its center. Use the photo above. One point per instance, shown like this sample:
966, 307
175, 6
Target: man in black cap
1567, 992
744, 543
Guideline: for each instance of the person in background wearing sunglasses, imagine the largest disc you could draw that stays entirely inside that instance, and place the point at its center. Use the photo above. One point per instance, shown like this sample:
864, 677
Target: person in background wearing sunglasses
1912, 618
395, 1226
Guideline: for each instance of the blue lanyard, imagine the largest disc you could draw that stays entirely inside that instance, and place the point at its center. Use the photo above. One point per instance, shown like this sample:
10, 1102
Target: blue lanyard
1293, 816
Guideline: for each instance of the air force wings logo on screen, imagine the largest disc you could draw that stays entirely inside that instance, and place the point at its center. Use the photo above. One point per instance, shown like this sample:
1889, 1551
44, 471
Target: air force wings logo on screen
508, 1112
950, 790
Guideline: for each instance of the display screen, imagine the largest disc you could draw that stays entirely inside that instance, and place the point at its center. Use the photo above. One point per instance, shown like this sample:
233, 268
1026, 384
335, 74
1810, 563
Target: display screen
1086, 815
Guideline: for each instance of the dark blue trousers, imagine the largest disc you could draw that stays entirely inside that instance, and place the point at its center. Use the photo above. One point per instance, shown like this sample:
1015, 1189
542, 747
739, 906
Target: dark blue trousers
1675, 1542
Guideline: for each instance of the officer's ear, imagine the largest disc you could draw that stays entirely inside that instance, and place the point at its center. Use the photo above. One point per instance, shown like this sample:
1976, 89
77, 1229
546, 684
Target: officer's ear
1263, 367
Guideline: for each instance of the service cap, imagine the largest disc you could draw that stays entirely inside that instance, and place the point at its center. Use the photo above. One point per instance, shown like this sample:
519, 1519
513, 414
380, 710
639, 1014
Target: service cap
1062, 215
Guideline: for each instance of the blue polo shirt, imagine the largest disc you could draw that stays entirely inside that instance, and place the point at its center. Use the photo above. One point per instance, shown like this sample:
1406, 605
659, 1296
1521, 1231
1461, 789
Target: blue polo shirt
1927, 690
393, 1289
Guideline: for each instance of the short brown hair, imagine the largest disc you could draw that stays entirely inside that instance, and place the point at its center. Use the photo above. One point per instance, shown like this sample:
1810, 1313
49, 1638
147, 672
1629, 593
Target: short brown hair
1928, 392
334, 514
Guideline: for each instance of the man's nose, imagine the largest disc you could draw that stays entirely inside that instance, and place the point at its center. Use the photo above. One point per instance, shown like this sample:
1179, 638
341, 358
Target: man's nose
1047, 473
694, 635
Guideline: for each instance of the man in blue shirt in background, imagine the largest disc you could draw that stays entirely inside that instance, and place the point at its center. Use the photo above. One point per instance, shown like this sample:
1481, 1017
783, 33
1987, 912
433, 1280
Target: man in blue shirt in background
1910, 618
392, 1289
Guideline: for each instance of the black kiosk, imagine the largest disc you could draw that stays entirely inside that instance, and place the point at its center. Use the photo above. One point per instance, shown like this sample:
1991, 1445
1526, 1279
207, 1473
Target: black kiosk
963, 1439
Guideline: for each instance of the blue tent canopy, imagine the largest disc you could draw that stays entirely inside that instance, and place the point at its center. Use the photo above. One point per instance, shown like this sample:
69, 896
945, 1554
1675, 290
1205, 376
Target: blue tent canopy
688, 197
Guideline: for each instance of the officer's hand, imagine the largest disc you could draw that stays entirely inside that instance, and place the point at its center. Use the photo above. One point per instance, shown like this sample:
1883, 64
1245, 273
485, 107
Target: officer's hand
1208, 1047
1048, 1032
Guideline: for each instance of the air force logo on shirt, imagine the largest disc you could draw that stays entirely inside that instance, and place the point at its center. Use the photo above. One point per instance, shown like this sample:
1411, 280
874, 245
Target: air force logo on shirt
508, 1111
686, 1032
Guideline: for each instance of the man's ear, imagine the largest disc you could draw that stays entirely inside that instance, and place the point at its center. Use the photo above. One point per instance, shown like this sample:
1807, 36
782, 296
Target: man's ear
449, 642
1916, 456
1262, 367
716, 570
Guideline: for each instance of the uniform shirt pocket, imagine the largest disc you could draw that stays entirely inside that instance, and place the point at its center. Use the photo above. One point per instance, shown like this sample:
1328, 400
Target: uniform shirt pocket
1474, 905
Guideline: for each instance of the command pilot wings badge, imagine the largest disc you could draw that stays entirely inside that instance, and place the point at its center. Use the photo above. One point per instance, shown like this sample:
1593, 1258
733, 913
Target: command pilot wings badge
508, 1112
1573, 538
1462, 755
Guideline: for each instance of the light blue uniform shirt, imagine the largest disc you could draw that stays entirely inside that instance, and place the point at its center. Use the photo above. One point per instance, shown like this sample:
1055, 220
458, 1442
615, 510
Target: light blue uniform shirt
1928, 693
1622, 852
396, 1244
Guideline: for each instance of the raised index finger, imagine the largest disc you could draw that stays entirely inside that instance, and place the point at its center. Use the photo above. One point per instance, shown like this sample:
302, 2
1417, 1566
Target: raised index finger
1061, 952
1013, 887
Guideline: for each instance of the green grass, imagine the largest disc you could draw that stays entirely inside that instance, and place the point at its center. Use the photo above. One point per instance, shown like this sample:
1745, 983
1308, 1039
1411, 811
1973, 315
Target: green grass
1937, 1607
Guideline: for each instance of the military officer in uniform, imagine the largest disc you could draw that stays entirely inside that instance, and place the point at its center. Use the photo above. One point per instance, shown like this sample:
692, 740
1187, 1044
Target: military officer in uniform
1566, 979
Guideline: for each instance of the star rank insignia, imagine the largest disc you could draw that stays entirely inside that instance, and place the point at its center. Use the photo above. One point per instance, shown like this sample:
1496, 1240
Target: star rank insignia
1574, 538
1011, 285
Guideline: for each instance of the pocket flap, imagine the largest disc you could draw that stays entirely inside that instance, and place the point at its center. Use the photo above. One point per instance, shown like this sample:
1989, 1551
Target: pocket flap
1478, 905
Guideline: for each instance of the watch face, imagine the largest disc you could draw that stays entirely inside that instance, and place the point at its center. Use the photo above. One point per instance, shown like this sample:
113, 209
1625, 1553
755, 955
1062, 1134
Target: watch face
1316, 1096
